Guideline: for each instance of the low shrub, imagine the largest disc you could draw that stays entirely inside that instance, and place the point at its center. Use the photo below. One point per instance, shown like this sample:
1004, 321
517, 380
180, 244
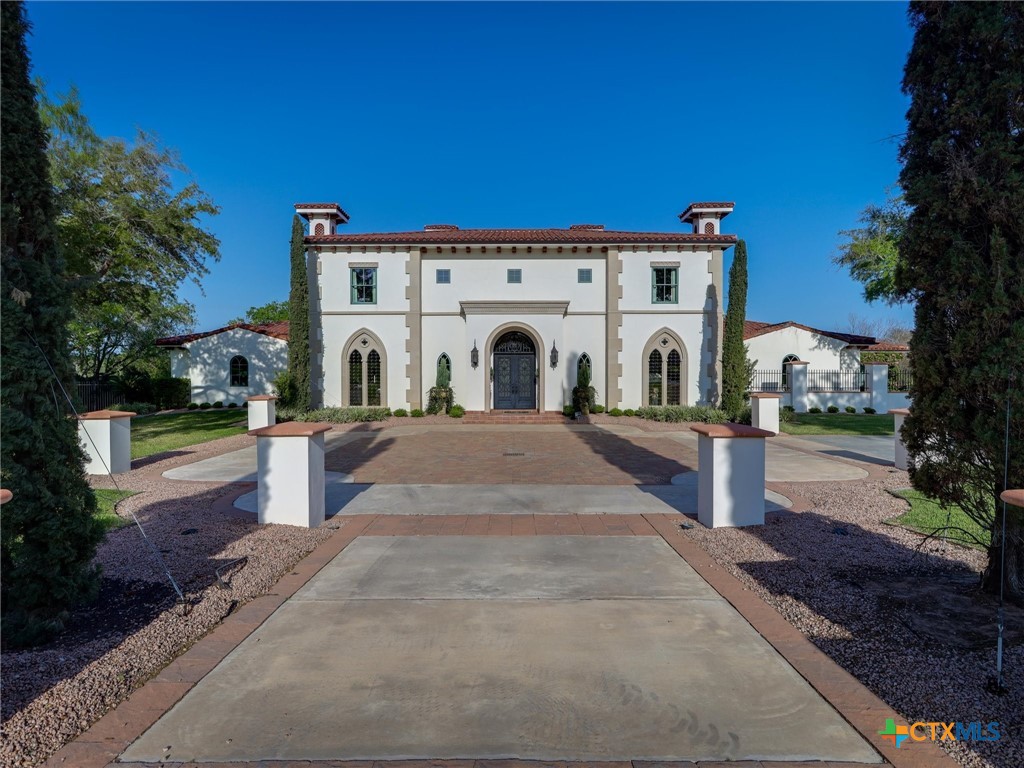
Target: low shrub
615, 412
745, 416
457, 411
400, 413
850, 409
683, 413
169, 392
193, 406
814, 409
787, 417
598, 409
568, 411
870, 410
833, 409
204, 406
341, 415
140, 408
416, 413
788, 409
284, 413
232, 405
629, 412
219, 404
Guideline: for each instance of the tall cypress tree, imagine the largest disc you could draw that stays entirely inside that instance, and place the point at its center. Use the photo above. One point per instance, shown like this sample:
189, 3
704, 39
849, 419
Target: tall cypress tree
298, 321
48, 536
735, 370
962, 262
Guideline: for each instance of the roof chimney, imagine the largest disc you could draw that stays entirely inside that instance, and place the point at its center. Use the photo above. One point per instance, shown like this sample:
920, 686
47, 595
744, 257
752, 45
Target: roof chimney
706, 217
323, 218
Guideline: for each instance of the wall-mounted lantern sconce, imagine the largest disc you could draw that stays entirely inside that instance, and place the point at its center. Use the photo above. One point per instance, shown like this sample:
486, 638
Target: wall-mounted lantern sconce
474, 355
554, 355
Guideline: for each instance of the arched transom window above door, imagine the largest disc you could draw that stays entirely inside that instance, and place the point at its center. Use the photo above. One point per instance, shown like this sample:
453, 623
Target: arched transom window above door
664, 370
364, 374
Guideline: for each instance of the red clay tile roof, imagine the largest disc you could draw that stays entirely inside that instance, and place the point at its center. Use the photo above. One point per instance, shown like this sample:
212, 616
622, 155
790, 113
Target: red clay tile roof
887, 346
516, 236
752, 329
274, 330
323, 207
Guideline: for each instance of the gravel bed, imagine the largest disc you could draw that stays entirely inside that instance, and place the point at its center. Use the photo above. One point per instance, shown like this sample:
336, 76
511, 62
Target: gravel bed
53, 693
907, 620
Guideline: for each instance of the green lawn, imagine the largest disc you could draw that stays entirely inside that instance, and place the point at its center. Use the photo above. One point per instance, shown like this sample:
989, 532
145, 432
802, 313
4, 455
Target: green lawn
105, 502
838, 424
926, 516
156, 434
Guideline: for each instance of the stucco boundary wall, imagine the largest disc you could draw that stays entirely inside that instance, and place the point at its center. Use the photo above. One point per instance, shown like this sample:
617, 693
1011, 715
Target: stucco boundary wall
876, 394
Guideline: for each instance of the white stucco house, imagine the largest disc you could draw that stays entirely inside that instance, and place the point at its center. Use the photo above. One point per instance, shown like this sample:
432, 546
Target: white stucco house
516, 312
774, 344
230, 363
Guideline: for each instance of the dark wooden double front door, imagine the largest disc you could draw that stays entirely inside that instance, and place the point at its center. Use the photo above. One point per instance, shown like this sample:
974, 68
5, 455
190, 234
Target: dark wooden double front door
515, 373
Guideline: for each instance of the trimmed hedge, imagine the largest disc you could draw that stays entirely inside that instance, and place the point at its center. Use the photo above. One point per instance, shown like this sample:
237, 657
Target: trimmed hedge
344, 415
457, 411
683, 413
139, 408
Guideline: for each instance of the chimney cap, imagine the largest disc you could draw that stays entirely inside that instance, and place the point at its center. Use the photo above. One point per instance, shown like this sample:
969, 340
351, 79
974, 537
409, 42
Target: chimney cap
437, 227
331, 210
695, 209
591, 227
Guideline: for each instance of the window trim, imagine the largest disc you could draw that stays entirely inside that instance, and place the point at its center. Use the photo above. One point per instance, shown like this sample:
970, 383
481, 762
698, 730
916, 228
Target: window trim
674, 284
244, 370
675, 343
354, 344
519, 275
353, 297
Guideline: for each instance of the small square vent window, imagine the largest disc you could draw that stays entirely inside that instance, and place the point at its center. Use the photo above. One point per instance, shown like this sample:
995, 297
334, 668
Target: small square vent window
515, 276
444, 276
584, 276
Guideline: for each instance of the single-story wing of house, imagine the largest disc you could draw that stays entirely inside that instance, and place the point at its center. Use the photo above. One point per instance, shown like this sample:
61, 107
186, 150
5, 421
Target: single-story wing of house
774, 344
229, 364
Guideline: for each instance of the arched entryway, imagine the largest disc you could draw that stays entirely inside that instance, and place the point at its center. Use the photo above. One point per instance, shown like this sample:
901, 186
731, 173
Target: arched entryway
515, 372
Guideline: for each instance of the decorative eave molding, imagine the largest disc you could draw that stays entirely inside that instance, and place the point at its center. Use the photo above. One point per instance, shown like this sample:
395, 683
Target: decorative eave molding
514, 307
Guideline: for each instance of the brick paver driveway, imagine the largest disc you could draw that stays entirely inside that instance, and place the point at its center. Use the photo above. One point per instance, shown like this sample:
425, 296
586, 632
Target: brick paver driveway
556, 455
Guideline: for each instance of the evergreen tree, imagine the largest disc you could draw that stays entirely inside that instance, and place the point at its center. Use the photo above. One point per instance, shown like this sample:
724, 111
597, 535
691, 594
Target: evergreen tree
48, 534
298, 319
962, 262
736, 370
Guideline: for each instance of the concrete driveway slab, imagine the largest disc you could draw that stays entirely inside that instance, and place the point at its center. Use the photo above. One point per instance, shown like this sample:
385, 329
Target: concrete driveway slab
875, 449
344, 497
361, 665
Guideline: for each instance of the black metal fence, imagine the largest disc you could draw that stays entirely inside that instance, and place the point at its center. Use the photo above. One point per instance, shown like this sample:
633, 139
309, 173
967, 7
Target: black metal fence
836, 381
900, 379
96, 394
769, 381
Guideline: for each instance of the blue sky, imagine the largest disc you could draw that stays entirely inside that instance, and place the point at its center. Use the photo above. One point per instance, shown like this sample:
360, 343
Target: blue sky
520, 115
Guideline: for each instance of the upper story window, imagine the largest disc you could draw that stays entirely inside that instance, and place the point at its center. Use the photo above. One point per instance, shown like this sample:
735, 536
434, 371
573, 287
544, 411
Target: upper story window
364, 285
515, 276
239, 370
444, 276
665, 285
584, 275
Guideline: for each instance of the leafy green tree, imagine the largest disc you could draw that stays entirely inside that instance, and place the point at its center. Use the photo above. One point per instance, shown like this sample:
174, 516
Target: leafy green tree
109, 338
271, 312
48, 535
962, 263
871, 252
737, 370
129, 237
298, 313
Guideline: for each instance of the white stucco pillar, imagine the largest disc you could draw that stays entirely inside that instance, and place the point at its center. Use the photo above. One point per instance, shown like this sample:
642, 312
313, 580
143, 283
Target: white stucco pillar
899, 414
290, 473
764, 410
107, 439
262, 411
730, 474
876, 375
798, 385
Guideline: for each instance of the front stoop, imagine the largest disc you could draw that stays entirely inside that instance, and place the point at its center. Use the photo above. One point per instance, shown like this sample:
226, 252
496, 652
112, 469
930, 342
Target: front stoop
514, 417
